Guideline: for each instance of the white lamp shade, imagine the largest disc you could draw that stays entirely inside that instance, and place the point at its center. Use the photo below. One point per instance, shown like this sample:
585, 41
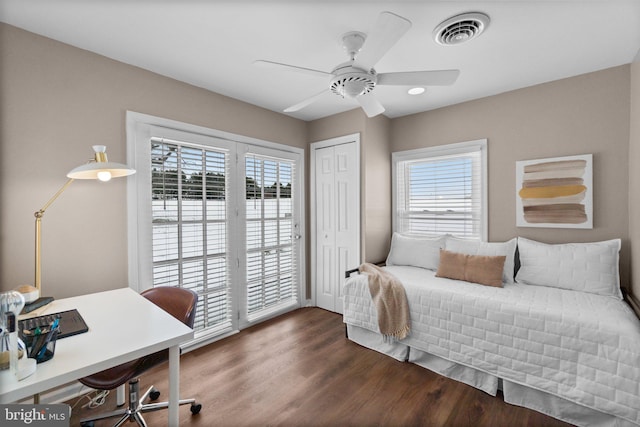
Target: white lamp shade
90, 170
100, 168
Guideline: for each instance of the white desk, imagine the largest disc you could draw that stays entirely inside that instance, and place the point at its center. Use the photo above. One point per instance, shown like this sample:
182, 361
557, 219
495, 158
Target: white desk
122, 326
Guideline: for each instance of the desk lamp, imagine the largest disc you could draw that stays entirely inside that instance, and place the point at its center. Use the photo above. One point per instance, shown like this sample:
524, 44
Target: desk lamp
97, 168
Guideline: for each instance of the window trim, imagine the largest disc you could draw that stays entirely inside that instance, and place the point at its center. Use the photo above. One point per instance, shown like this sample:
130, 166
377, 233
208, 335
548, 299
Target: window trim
444, 150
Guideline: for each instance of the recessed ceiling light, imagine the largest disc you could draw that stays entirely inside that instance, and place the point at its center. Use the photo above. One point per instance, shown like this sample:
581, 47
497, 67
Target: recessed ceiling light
416, 91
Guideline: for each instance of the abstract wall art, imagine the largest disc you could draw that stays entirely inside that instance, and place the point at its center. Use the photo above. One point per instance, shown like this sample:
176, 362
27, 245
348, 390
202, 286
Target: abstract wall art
555, 193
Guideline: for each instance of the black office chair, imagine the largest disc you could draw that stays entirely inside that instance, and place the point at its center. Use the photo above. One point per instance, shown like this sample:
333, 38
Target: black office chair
181, 304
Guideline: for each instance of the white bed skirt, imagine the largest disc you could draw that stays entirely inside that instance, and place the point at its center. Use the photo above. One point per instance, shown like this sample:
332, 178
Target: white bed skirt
514, 394
375, 341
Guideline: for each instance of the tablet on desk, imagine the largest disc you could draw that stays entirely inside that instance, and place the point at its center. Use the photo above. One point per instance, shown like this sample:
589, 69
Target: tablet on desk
70, 323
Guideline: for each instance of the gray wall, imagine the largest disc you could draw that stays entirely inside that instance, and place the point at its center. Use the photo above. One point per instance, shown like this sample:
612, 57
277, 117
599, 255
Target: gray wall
578, 115
58, 101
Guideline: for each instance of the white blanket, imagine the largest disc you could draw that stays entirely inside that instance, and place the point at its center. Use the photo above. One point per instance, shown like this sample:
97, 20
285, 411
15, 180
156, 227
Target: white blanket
578, 346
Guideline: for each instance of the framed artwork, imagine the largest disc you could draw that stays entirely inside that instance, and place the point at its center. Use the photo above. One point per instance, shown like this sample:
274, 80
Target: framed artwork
555, 192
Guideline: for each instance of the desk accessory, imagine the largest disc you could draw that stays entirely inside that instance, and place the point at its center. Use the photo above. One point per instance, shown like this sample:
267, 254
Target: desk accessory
11, 303
97, 168
70, 323
30, 293
10, 322
43, 345
40, 302
26, 367
5, 349
20, 366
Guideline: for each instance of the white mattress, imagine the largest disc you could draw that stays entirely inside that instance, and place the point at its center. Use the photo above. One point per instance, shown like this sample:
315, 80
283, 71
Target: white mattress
582, 347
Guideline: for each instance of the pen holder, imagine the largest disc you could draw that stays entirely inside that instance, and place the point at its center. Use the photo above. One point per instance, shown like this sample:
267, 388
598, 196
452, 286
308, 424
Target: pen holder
42, 347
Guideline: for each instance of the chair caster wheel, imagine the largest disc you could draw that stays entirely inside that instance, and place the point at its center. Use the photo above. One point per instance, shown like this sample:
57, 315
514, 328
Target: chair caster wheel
154, 395
195, 408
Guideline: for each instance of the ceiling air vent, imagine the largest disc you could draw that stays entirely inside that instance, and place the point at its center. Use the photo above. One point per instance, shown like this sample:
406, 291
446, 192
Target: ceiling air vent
461, 28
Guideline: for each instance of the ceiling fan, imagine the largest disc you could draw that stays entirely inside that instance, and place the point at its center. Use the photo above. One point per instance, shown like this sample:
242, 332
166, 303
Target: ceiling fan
357, 78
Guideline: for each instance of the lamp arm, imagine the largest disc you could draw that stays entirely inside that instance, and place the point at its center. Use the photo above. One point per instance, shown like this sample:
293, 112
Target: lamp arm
38, 215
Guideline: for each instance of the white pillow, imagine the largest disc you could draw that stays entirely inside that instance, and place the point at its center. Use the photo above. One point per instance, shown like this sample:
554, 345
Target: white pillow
415, 251
474, 247
586, 267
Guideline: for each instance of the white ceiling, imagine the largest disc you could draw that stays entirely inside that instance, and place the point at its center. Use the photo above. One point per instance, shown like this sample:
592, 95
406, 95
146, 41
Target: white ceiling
212, 44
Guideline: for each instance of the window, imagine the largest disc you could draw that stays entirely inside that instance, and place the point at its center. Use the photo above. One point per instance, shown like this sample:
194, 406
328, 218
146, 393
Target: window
440, 190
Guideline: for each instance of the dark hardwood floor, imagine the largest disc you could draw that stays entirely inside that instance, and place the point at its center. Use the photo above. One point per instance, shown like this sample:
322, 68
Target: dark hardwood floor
300, 370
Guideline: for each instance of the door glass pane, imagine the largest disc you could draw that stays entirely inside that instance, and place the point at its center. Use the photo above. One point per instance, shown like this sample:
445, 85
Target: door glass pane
189, 226
269, 233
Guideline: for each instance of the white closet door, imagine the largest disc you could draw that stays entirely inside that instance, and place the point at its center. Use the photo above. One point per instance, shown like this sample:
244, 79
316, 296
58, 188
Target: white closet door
326, 269
337, 220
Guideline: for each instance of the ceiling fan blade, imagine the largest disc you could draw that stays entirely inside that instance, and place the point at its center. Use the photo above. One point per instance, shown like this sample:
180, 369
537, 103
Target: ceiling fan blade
387, 31
280, 66
370, 105
302, 104
419, 78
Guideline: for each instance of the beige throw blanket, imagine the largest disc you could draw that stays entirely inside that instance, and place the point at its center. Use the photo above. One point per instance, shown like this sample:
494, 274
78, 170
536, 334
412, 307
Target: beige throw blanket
390, 301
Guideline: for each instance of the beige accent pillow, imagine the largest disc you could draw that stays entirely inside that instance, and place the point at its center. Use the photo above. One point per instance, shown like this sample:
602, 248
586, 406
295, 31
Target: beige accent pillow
482, 269
474, 247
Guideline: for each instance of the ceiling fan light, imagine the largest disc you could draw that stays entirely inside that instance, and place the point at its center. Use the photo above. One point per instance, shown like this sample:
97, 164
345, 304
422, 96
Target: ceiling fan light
416, 91
353, 89
353, 84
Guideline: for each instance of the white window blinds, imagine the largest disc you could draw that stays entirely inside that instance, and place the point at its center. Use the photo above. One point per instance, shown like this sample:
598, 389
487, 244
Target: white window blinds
189, 226
271, 268
441, 190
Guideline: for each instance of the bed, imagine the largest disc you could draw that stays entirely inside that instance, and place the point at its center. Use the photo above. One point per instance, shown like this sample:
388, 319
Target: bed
557, 338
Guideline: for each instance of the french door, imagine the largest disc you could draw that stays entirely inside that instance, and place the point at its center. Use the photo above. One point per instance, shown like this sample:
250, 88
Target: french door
220, 217
272, 232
